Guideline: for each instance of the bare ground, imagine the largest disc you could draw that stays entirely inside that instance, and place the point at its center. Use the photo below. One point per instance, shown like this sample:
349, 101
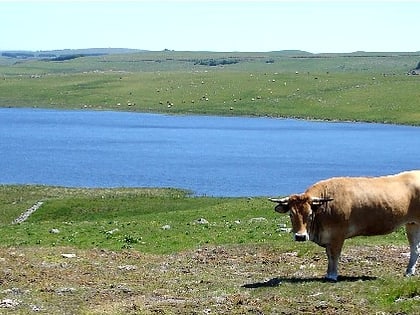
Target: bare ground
213, 280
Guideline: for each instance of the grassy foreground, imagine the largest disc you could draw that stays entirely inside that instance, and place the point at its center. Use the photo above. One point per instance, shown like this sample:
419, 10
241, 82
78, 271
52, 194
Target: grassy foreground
162, 251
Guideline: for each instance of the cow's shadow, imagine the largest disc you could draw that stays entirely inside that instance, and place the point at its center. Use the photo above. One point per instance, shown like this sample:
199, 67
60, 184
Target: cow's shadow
275, 282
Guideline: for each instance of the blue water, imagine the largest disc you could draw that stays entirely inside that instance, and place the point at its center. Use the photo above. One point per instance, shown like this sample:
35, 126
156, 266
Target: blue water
216, 156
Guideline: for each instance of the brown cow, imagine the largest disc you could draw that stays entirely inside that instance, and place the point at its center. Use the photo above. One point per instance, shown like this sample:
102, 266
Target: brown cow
335, 209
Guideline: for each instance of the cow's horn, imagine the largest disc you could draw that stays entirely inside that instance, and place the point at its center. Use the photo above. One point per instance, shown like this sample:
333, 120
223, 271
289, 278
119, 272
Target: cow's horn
283, 200
319, 200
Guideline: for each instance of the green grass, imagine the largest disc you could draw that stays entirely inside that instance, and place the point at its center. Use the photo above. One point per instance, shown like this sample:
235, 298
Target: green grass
370, 87
132, 219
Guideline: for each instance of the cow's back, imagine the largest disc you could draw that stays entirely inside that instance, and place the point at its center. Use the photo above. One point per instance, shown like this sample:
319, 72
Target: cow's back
370, 205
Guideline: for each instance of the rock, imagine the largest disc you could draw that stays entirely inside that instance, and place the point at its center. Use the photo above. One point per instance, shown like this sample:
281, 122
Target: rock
54, 231
9, 303
15, 291
65, 290
68, 255
24, 216
258, 220
283, 228
202, 221
127, 267
122, 288
112, 231
286, 230
166, 227
35, 308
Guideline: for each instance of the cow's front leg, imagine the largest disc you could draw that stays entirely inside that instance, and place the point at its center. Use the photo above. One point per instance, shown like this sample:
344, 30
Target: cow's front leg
413, 235
333, 254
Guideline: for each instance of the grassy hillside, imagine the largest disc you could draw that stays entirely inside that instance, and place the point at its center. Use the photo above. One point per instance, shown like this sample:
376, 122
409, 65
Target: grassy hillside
362, 86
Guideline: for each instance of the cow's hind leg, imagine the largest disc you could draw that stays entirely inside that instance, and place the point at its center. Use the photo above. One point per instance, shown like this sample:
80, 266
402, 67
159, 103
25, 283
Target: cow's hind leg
413, 235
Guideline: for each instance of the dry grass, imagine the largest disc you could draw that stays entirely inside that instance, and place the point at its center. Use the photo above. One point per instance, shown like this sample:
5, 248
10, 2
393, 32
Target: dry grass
209, 280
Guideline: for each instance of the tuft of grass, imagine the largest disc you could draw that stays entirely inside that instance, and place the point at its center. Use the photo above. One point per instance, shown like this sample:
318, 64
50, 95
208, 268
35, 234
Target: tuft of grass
400, 295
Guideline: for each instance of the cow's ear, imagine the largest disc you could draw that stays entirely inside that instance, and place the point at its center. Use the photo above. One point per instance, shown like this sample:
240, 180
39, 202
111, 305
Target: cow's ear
318, 204
316, 207
282, 208
282, 204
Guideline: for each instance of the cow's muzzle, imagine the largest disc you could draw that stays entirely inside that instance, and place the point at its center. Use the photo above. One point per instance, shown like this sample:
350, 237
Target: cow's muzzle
299, 237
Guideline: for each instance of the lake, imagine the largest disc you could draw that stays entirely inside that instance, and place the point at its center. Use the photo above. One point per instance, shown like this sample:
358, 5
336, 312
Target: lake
215, 156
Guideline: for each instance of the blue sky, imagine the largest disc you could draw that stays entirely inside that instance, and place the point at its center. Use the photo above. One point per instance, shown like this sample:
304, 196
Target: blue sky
314, 26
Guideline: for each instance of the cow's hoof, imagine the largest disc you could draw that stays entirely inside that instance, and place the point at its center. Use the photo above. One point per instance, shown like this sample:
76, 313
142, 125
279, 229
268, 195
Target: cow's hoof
331, 278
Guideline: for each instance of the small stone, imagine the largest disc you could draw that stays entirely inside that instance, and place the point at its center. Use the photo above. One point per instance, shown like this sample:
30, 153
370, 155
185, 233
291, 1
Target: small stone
35, 308
202, 221
258, 220
9, 303
65, 290
286, 230
166, 227
15, 291
127, 267
124, 289
54, 231
68, 255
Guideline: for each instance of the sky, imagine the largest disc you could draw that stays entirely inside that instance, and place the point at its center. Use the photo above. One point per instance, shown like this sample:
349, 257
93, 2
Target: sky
249, 26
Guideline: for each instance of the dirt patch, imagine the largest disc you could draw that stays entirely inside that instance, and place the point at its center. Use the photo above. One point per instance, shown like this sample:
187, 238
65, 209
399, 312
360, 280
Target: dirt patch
211, 280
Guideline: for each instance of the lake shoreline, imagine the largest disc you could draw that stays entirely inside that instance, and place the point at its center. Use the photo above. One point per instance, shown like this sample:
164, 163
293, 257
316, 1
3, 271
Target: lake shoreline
298, 118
